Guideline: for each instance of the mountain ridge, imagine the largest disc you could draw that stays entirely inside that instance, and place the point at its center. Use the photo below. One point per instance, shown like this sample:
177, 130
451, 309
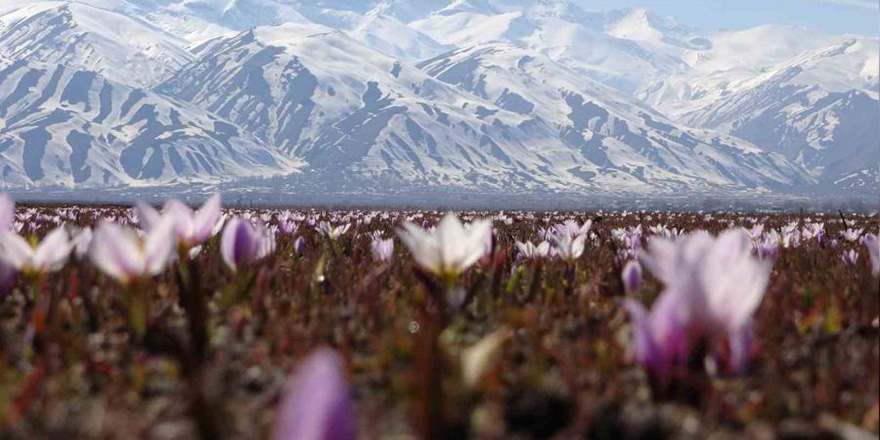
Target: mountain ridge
405, 93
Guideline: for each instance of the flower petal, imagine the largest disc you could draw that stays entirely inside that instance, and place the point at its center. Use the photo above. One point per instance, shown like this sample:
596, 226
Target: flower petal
316, 405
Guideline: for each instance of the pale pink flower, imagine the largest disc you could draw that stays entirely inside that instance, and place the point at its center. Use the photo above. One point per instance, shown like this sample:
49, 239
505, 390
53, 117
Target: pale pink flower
192, 228
123, 254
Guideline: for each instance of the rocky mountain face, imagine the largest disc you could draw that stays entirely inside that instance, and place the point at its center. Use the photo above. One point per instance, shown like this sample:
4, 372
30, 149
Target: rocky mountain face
502, 96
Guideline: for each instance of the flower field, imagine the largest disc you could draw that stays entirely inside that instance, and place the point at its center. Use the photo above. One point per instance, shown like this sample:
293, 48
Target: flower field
177, 322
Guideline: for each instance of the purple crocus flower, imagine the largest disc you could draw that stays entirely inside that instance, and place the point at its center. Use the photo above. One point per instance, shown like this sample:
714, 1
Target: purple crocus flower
317, 405
658, 339
244, 243
288, 226
632, 277
299, 245
850, 257
712, 288
767, 247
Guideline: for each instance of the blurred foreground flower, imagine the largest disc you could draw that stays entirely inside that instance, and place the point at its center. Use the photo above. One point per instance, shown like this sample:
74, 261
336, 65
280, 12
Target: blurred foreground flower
126, 256
316, 405
713, 286
7, 212
244, 243
477, 359
873, 246
7, 218
450, 249
37, 258
82, 241
191, 228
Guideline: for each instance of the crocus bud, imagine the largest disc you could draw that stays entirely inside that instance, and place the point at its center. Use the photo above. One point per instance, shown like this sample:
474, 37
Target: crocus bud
316, 405
299, 245
244, 243
632, 277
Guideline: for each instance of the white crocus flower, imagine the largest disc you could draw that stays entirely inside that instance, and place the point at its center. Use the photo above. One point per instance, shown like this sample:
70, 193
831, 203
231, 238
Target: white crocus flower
570, 248
47, 256
450, 249
529, 251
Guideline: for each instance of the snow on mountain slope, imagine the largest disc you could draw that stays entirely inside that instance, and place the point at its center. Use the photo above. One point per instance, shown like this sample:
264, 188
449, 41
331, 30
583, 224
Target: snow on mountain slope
568, 34
729, 58
532, 123
620, 138
379, 29
383, 120
820, 110
499, 94
120, 47
61, 126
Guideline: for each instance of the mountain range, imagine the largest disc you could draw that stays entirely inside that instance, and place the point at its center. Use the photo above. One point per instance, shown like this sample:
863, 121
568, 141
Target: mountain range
498, 96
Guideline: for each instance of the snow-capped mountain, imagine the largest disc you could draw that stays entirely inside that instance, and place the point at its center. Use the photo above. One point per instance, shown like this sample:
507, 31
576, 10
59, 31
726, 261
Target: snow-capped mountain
494, 115
500, 95
121, 48
61, 126
820, 110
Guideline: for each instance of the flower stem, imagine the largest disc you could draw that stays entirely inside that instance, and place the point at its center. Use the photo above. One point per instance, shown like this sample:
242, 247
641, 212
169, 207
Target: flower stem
194, 302
569, 279
536, 281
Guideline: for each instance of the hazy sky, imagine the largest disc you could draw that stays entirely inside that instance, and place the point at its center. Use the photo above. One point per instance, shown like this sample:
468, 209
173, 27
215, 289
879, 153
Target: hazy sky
832, 16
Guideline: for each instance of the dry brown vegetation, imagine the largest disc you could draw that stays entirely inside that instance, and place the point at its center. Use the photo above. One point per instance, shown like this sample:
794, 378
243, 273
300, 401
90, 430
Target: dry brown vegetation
71, 368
